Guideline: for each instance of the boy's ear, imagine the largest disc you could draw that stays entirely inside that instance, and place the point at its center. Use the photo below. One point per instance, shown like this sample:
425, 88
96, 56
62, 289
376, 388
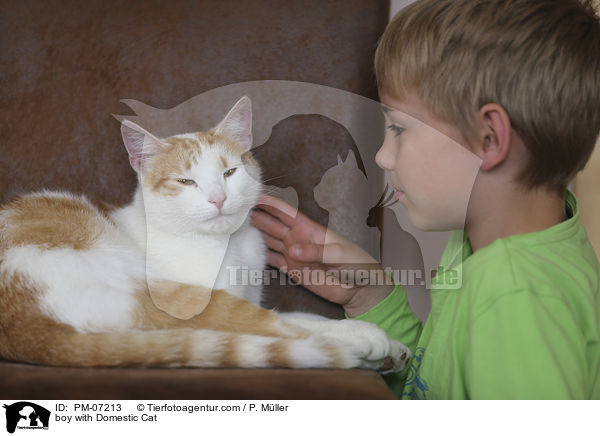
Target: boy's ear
140, 144
237, 124
495, 137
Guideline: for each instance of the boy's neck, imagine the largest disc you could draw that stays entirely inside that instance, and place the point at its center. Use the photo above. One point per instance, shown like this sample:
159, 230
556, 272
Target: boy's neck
513, 212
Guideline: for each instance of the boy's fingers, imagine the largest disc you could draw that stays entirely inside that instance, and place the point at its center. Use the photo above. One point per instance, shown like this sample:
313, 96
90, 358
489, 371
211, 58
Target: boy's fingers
330, 254
279, 208
274, 243
269, 225
276, 260
283, 216
275, 202
288, 215
306, 252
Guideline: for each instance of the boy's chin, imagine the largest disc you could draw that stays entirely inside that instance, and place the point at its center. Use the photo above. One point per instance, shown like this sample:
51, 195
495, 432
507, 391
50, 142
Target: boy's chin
427, 224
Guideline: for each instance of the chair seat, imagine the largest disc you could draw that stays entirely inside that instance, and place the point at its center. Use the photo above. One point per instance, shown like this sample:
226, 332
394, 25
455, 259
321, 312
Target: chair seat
18, 381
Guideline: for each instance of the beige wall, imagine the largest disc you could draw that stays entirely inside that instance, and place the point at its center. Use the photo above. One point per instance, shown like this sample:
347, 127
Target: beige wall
587, 189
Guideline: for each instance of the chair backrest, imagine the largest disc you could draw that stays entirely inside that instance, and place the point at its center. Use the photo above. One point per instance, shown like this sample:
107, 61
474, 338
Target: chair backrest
65, 66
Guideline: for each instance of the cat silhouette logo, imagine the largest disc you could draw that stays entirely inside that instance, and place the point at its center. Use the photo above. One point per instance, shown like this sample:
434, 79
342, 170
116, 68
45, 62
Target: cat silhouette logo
25, 415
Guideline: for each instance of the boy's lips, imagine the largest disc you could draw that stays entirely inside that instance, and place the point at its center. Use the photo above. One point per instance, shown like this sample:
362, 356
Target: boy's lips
398, 194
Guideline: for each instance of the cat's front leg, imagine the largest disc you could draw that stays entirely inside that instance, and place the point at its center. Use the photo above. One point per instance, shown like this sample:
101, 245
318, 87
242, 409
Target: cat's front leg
368, 344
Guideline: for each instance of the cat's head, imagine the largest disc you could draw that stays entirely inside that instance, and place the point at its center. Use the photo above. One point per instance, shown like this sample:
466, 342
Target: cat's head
340, 184
204, 182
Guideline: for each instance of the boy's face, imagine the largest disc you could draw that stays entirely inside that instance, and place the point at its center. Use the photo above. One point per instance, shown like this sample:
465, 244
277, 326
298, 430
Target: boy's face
433, 174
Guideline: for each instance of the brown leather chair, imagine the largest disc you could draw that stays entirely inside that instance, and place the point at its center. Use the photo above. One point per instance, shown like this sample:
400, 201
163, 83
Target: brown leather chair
65, 66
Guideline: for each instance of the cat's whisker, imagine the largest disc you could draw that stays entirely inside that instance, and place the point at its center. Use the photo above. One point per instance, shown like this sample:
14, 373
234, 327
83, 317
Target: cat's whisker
270, 192
273, 178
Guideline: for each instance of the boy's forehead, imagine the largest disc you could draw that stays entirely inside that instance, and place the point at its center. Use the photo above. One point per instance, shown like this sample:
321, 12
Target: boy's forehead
407, 108
392, 111
402, 114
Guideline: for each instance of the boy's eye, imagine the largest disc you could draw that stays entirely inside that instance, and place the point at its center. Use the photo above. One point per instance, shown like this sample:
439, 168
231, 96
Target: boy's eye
229, 172
186, 182
396, 129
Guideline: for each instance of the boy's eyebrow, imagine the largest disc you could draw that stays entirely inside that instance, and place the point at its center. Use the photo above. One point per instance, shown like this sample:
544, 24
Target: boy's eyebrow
388, 109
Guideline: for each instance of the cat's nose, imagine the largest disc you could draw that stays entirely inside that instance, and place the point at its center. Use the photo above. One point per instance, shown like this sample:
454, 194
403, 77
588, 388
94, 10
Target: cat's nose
217, 199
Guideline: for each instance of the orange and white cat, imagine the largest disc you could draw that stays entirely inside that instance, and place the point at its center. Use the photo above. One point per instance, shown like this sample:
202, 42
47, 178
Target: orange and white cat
83, 285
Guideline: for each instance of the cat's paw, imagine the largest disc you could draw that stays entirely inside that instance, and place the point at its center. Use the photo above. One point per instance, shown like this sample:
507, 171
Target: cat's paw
397, 360
365, 345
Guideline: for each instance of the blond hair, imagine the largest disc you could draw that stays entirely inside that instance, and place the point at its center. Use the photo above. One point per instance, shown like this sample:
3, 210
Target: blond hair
539, 60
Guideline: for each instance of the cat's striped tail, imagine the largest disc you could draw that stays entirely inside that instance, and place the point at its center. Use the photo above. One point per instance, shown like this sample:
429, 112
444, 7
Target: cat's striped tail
197, 348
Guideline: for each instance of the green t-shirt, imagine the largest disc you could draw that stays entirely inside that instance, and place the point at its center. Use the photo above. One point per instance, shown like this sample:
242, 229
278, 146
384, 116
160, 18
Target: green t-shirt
524, 324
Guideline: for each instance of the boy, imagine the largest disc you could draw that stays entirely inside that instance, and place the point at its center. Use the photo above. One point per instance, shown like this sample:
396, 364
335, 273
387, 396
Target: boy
517, 83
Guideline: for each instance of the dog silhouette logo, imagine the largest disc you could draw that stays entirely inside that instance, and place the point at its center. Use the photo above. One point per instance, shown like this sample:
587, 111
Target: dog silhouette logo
26, 415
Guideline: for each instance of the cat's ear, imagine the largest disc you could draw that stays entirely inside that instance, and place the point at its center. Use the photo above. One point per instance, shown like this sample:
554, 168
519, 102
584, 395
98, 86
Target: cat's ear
351, 160
140, 144
237, 124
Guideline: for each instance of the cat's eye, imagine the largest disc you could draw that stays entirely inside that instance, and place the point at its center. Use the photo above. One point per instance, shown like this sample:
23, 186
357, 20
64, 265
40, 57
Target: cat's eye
229, 172
186, 182
396, 129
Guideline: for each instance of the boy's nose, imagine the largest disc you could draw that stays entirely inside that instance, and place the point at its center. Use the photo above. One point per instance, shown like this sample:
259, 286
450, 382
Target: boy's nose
384, 158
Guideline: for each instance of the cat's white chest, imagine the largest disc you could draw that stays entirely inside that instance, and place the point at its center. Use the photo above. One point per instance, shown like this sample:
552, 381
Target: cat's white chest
194, 261
242, 269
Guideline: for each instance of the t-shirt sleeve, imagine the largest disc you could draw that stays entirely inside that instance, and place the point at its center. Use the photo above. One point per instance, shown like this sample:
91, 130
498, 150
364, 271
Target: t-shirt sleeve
394, 315
525, 346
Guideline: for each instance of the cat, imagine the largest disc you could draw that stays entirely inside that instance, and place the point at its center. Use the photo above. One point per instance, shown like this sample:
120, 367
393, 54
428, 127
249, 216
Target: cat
85, 285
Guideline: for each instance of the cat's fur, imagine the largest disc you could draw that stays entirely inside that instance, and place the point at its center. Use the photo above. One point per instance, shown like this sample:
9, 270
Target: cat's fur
83, 285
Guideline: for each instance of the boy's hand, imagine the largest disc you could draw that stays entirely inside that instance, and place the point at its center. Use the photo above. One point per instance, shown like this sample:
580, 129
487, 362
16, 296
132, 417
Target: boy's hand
308, 251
